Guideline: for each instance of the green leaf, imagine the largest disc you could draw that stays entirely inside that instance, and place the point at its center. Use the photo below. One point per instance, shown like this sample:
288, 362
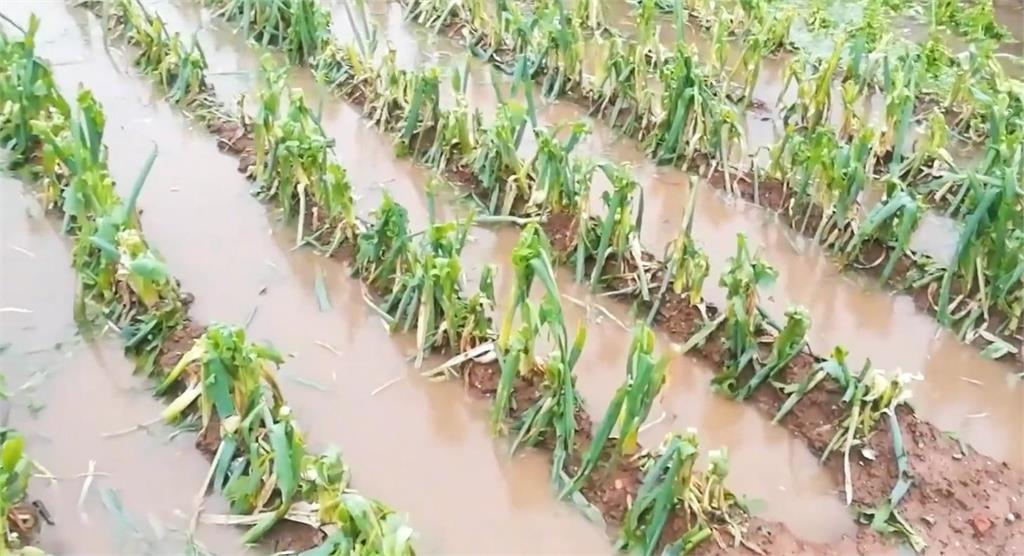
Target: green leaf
149, 268
11, 452
284, 466
218, 387
140, 180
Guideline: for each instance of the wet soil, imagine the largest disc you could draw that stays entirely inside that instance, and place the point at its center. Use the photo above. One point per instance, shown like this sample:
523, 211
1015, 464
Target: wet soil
878, 483
960, 500
330, 394
955, 488
24, 521
292, 537
614, 483
242, 148
611, 489
67, 393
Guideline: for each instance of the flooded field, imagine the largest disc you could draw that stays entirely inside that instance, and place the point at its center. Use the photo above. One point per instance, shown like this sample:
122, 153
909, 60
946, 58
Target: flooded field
115, 479
67, 392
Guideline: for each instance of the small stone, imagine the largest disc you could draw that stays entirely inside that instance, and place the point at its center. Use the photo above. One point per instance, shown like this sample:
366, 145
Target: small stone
930, 520
618, 484
1011, 517
980, 524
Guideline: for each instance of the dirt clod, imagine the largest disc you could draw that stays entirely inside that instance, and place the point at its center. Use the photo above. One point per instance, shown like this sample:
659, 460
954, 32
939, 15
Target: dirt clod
980, 524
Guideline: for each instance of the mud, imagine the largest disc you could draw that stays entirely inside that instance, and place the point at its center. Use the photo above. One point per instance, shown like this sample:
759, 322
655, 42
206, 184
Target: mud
292, 537
955, 488
24, 521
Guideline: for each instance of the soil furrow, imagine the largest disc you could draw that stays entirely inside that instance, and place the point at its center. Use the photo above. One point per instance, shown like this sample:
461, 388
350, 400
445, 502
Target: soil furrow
868, 487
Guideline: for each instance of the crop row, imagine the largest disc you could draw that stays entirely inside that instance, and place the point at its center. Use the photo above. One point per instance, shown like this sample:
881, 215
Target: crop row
685, 113
419, 287
963, 85
738, 340
259, 459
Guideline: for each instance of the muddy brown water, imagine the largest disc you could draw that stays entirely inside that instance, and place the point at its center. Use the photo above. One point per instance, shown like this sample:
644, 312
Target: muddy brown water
187, 214
1011, 14
799, 481
980, 400
460, 490
65, 393
481, 94
423, 448
795, 492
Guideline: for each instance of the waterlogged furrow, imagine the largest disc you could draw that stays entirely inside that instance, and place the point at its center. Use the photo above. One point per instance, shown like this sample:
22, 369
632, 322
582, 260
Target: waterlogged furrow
846, 309
68, 396
816, 175
212, 374
383, 248
795, 491
355, 79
